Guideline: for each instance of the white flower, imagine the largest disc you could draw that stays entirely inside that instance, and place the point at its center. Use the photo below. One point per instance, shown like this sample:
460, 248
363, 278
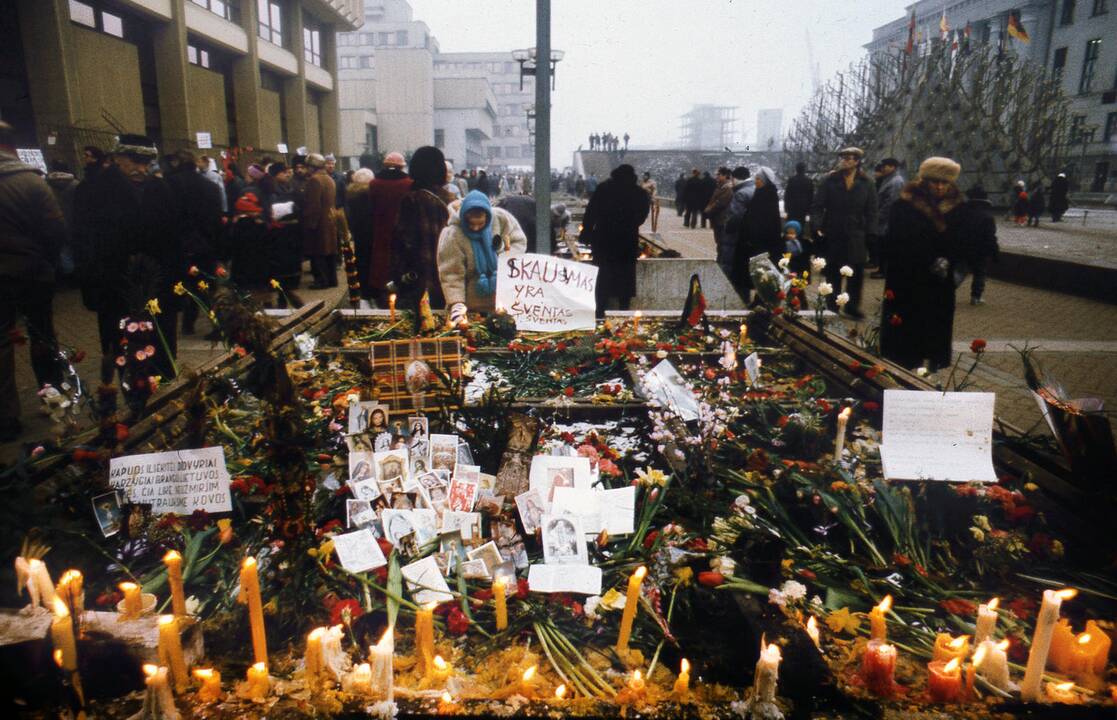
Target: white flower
724, 565
846, 271
842, 299
776, 597
921, 371
825, 288
590, 606
818, 264
794, 590
784, 263
661, 354
978, 534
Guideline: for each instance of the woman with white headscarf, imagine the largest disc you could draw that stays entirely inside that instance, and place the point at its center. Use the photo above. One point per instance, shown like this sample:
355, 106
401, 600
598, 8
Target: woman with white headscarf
761, 227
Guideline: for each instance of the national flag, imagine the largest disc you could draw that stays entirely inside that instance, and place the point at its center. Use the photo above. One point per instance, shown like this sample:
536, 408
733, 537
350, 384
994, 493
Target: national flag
911, 34
1016, 28
944, 26
694, 311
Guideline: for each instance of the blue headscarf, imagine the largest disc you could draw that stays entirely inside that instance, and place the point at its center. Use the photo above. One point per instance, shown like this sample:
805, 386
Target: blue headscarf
484, 257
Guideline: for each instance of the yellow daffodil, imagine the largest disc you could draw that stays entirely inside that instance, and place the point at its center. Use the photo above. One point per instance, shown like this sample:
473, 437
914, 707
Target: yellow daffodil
650, 477
843, 621
179, 289
275, 283
153, 306
203, 285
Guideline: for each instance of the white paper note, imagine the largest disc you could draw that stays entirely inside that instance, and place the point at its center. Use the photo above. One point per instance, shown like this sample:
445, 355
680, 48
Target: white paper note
425, 582
179, 481
358, 551
664, 384
930, 435
547, 294
752, 367
582, 579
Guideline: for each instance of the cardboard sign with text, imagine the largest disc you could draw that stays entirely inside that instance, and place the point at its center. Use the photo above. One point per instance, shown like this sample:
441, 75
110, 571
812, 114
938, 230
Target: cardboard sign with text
546, 294
179, 481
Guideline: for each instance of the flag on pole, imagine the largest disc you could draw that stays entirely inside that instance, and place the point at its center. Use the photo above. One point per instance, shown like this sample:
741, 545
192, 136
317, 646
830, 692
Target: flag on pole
944, 26
1016, 28
911, 35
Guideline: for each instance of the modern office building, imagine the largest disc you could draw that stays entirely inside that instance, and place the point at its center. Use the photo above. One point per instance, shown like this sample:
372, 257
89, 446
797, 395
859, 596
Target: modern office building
769, 129
1076, 40
254, 74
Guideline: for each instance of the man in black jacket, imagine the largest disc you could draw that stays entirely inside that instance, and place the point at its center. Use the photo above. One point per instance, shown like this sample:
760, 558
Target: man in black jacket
31, 234
199, 224
611, 227
798, 195
844, 216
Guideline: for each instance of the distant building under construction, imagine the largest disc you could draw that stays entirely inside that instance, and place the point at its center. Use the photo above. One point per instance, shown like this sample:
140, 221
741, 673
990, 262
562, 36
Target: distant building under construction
709, 127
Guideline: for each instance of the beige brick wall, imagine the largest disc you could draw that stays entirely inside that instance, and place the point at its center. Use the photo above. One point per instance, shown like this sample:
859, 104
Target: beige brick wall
207, 104
270, 127
108, 77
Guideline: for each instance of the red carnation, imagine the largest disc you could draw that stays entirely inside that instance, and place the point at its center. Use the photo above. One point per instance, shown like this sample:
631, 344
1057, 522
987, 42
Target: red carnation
483, 594
709, 578
889, 295
978, 345
855, 366
961, 608
345, 612
650, 538
456, 622
568, 391
522, 588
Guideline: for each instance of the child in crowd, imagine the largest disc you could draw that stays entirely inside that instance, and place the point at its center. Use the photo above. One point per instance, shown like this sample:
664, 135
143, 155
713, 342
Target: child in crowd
793, 246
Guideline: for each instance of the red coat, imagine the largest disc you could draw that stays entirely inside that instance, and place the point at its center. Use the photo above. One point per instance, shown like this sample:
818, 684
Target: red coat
385, 194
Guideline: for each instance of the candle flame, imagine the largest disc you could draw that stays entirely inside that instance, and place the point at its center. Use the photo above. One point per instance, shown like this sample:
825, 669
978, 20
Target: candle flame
636, 676
844, 414
441, 664
60, 609
447, 698
1003, 645
979, 655
58, 658
638, 315
640, 573
166, 619
1067, 594
127, 586
34, 563
1064, 687
951, 666
429, 607
992, 604
316, 634
560, 692
773, 652
150, 669
1084, 639
812, 629
958, 642
249, 562
684, 666
385, 640
171, 555
885, 604
70, 576
203, 673
529, 673
259, 667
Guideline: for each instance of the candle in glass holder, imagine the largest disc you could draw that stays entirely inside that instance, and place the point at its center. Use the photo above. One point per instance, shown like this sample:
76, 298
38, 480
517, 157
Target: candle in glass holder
501, 603
250, 594
381, 655
133, 600
1041, 642
878, 629
259, 684
682, 682
424, 636
944, 680
947, 648
170, 651
878, 667
62, 635
160, 698
840, 441
991, 661
210, 691
1062, 693
173, 561
631, 599
986, 621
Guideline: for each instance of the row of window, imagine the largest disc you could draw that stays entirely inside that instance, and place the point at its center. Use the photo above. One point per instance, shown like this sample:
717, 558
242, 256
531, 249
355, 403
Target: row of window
490, 67
399, 38
224, 8
353, 62
1066, 17
1081, 134
96, 18
1089, 65
510, 151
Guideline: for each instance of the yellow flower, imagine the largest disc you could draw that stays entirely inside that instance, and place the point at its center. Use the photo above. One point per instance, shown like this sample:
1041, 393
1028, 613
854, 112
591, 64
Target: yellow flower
212, 316
651, 477
684, 575
325, 549
179, 289
153, 306
275, 283
843, 621
203, 285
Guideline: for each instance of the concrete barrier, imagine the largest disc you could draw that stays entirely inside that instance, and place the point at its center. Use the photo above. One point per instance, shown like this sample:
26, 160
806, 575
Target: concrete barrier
663, 284
1071, 278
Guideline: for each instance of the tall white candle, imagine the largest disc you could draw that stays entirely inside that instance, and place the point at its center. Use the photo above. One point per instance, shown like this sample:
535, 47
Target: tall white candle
839, 443
986, 621
1041, 642
767, 675
41, 577
381, 655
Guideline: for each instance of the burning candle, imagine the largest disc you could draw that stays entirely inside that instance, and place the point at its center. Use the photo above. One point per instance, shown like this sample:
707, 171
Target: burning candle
1061, 693
636, 321
527, 688
1041, 641
259, 684
210, 691
812, 632
392, 307
133, 600
766, 678
173, 561
170, 651
948, 648
359, 681
560, 692
501, 603
40, 576
878, 629
159, 697
840, 441
986, 621
62, 635
381, 654
682, 682
878, 666
440, 671
446, 704
424, 636
1062, 638
636, 682
70, 590
1090, 651
944, 680
313, 657
250, 594
631, 599
744, 336
991, 661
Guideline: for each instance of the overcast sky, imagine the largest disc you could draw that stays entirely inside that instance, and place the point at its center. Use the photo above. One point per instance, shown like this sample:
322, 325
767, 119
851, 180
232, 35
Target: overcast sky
636, 65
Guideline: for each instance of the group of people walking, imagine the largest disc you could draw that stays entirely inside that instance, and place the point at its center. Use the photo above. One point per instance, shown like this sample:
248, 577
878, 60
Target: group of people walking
1028, 207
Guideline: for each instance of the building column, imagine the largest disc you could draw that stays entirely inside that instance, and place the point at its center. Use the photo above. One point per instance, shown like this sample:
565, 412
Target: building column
45, 30
169, 47
294, 88
329, 108
246, 83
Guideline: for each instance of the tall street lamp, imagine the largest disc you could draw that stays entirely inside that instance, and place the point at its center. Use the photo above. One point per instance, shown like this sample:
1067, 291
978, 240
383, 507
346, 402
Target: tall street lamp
528, 60
544, 84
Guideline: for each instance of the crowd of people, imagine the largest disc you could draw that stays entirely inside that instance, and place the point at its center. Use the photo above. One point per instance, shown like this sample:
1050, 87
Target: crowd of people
608, 142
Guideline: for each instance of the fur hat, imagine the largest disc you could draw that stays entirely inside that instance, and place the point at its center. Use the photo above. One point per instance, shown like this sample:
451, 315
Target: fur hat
315, 160
135, 146
793, 224
851, 150
362, 176
939, 168
394, 159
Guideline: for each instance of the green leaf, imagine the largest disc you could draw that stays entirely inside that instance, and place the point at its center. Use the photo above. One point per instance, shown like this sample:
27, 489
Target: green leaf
836, 599
395, 588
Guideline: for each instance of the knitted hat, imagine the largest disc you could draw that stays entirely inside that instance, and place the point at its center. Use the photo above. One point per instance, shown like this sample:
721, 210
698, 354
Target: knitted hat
249, 204
256, 172
793, 224
394, 159
362, 177
939, 168
315, 160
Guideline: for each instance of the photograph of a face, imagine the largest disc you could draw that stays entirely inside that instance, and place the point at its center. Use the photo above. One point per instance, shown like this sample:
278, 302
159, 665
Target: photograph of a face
397, 523
510, 543
487, 553
531, 507
368, 415
391, 464
106, 508
365, 489
359, 514
359, 442
444, 452
361, 466
563, 541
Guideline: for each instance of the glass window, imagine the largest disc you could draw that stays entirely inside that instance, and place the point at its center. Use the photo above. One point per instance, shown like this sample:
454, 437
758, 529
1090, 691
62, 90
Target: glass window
1111, 127
112, 24
82, 13
1089, 63
1067, 16
383, 38
439, 138
1060, 62
527, 150
401, 38
1100, 7
270, 21
312, 45
192, 54
203, 58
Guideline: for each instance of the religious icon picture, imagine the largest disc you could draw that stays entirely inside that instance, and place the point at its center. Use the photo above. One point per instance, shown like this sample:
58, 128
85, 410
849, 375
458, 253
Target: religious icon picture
444, 452
365, 489
359, 442
510, 543
359, 514
408, 546
561, 477
523, 430
377, 419
106, 508
397, 523
388, 488
367, 415
391, 464
462, 494
531, 507
563, 541
361, 467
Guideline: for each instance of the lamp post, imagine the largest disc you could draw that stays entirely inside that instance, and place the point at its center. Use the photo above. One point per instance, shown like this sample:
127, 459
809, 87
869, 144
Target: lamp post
544, 84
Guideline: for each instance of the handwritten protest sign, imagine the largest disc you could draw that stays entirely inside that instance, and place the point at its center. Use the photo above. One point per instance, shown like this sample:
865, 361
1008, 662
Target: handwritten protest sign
546, 294
931, 435
180, 481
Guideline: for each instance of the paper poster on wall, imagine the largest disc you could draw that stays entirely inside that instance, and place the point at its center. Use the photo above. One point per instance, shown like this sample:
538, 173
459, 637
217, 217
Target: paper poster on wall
546, 294
931, 435
33, 157
282, 147
180, 481
205, 141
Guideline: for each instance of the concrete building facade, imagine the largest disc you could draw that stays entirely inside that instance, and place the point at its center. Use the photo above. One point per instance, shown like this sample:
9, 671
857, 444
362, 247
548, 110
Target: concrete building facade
1076, 40
769, 129
257, 74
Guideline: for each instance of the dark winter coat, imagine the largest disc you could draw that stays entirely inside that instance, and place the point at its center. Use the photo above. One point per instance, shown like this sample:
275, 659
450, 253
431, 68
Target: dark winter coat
252, 252
1037, 202
32, 228
318, 223
522, 208
611, 226
422, 216
709, 187
693, 193
1060, 187
981, 232
917, 315
199, 213
761, 230
845, 218
358, 212
798, 197
385, 193
680, 190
